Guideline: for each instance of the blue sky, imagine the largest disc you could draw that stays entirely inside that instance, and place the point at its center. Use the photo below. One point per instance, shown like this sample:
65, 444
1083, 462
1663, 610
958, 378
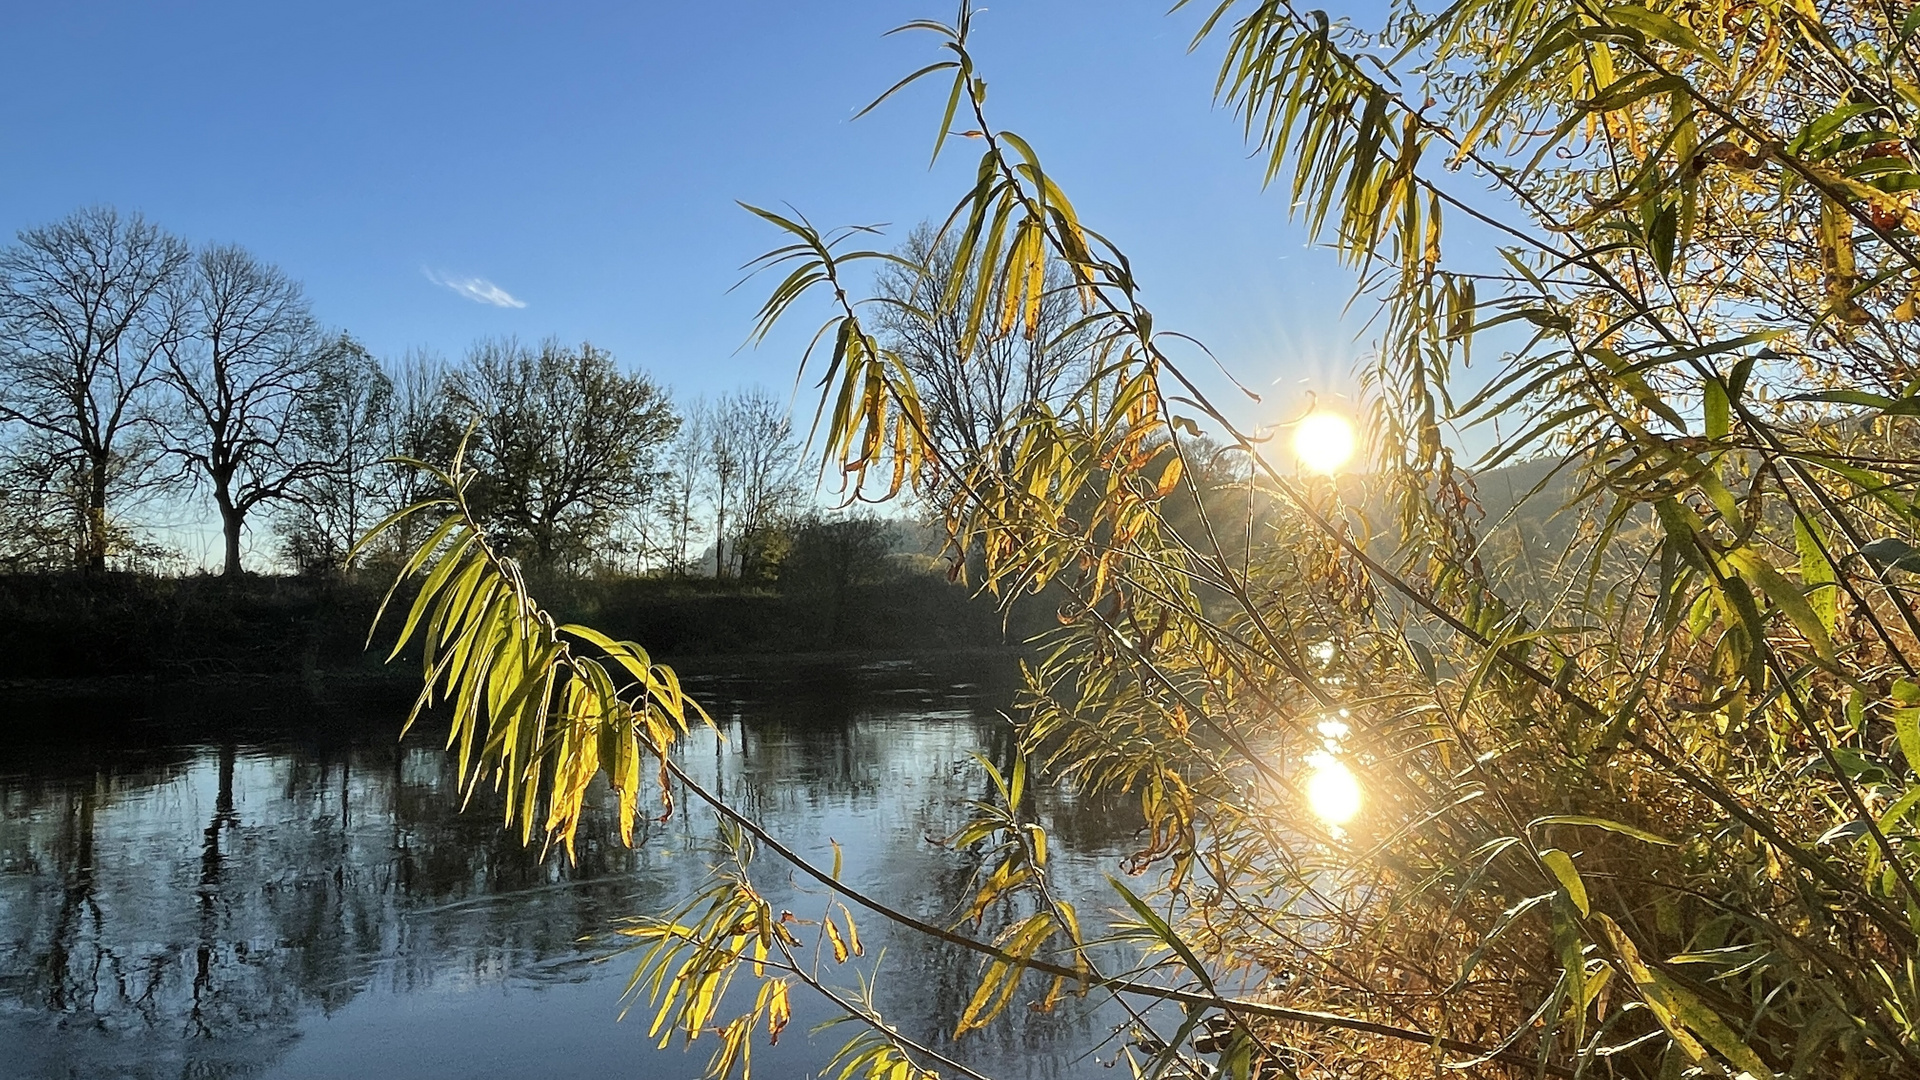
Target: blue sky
583, 160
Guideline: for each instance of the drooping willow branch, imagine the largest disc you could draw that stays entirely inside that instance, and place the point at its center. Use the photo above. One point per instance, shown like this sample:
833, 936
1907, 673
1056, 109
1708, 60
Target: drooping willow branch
540, 720
1237, 1006
1050, 215
1068, 499
526, 708
1014, 205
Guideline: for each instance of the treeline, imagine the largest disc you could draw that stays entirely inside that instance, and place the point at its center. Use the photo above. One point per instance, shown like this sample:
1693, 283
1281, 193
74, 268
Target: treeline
580, 468
140, 374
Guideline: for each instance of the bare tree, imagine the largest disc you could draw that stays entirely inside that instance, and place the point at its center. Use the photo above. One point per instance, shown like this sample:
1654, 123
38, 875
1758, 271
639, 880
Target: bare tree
89, 307
251, 357
346, 422
564, 442
737, 457
972, 395
420, 426
42, 509
722, 467
685, 478
753, 439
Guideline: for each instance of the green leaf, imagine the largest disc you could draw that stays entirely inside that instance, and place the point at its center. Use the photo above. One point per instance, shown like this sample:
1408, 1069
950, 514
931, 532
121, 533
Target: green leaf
1891, 406
1628, 375
1901, 807
1717, 410
1602, 823
1853, 764
1663, 237
1906, 724
1423, 658
1816, 571
1742, 369
1170, 1053
1661, 28
942, 65
1631, 88
1507, 919
1753, 567
1893, 552
1824, 127
1164, 932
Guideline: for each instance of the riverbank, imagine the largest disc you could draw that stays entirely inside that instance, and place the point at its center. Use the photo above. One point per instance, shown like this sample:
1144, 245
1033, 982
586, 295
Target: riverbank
134, 712
78, 635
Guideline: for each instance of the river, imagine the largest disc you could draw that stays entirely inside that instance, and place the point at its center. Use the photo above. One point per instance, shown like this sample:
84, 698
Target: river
256, 885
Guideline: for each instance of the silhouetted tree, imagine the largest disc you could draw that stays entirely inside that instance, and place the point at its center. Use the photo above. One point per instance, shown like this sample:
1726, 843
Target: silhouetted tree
42, 509
423, 426
723, 467
244, 371
89, 307
563, 442
684, 479
348, 423
829, 557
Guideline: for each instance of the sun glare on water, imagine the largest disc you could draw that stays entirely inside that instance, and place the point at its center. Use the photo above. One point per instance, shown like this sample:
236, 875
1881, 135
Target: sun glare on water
1324, 441
1332, 790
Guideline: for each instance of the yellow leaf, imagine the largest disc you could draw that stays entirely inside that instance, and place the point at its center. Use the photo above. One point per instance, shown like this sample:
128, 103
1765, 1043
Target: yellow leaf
853, 933
1561, 864
1169, 477
833, 936
1680, 1012
978, 1011
779, 1011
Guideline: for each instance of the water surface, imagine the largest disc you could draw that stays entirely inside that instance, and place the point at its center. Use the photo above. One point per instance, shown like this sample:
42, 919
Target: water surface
280, 889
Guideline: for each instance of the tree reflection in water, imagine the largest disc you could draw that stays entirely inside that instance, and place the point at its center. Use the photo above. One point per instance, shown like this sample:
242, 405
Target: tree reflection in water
261, 906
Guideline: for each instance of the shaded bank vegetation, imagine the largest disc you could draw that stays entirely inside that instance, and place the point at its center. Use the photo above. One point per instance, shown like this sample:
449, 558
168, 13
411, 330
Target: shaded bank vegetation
203, 628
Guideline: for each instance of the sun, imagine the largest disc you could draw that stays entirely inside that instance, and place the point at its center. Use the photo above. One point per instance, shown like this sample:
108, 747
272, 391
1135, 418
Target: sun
1324, 441
1332, 790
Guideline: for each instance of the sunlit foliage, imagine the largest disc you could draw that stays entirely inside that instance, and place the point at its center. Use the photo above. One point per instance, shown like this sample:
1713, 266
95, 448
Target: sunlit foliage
1641, 806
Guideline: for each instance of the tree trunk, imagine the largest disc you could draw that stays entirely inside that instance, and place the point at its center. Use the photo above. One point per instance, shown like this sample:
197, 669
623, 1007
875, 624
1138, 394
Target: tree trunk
232, 518
97, 515
543, 542
211, 864
684, 532
65, 988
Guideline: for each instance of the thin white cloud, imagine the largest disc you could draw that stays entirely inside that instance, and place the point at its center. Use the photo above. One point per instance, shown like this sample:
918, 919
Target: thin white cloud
477, 289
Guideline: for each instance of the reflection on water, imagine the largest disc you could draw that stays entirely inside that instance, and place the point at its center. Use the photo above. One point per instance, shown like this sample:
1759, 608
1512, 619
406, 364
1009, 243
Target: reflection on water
181, 904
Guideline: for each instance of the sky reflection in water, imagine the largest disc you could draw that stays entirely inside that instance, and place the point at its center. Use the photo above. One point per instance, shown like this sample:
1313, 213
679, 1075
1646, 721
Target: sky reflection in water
289, 905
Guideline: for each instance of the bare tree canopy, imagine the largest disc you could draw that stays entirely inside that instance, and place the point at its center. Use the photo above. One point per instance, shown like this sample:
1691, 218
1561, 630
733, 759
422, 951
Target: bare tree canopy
753, 462
972, 395
686, 476
89, 307
347, 424
242, 371
563, 442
